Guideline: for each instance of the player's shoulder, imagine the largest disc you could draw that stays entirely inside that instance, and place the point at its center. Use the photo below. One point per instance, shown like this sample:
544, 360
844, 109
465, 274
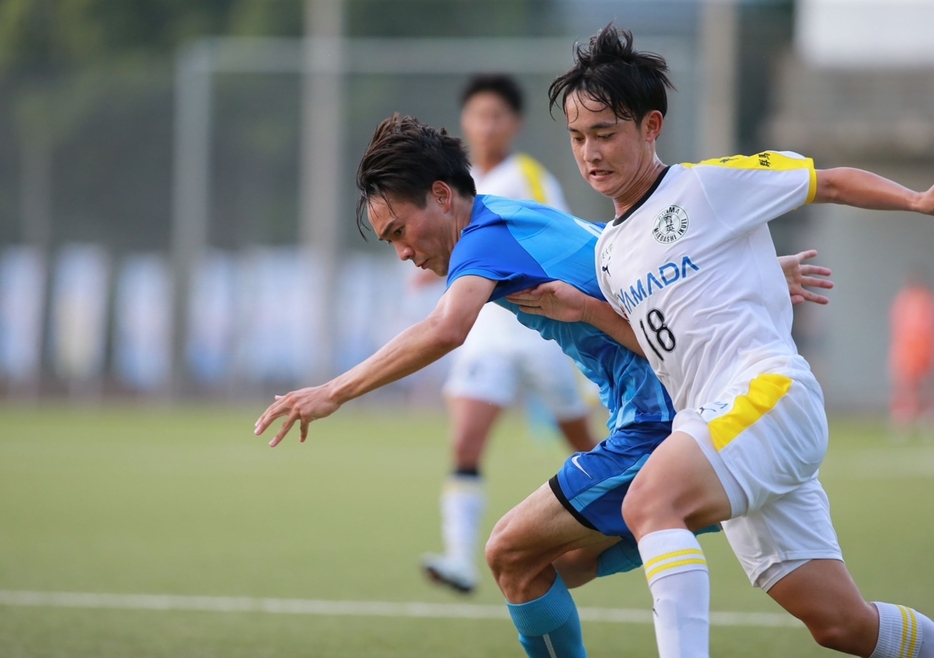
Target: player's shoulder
762, 161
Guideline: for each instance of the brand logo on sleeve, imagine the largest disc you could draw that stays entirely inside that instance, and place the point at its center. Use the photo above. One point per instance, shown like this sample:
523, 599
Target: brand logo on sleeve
670, 225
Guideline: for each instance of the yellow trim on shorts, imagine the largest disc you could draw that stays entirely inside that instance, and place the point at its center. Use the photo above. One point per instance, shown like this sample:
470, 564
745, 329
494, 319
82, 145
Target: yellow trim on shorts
764, 393
534, 175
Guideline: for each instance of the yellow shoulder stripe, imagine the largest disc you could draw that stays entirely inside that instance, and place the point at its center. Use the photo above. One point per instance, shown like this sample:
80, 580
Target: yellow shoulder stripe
766, 160
534, 175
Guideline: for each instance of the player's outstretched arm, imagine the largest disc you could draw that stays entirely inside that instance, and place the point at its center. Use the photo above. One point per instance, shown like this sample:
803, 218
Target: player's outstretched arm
418, 346
801, 276
563, 302
864, 189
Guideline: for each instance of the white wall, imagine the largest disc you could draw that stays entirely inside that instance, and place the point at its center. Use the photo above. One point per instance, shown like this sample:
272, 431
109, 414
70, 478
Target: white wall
865, 33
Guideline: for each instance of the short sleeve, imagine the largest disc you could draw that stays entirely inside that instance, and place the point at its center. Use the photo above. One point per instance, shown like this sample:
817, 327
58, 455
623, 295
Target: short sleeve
747, 191
491, 252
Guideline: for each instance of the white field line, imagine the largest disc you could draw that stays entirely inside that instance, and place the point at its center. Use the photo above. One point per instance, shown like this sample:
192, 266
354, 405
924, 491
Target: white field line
348, 608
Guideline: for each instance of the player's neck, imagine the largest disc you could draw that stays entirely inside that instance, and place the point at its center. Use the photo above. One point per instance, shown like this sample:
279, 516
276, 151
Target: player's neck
489, 162
642, 184
463, 211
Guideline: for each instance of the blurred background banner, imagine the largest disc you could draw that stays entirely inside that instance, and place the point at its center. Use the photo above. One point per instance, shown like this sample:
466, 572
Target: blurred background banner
143, 323
205, 153
22, 291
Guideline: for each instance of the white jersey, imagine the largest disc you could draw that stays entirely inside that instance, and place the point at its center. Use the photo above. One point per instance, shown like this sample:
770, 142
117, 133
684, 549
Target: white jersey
517, 177
692, 267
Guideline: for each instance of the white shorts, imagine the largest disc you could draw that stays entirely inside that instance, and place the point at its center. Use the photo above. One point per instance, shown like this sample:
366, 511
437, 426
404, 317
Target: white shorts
502, 359
766, 439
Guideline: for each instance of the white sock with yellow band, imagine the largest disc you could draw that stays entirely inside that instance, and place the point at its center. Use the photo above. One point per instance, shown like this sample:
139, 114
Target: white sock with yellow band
903, 633
676, 569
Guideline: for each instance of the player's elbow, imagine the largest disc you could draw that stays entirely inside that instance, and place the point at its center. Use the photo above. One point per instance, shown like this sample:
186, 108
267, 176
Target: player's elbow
448, 334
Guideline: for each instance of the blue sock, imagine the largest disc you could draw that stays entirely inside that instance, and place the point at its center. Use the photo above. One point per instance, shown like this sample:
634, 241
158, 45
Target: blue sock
549, 627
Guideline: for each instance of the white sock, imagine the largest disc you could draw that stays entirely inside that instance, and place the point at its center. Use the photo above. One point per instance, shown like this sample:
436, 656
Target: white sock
903, 633
463, 501
676, 569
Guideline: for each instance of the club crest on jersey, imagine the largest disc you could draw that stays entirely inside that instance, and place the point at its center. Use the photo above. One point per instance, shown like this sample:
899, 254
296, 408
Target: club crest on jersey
670, 225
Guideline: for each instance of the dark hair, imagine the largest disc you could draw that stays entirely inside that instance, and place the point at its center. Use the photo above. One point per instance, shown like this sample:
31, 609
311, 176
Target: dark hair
405, 158
502, 85
614, 74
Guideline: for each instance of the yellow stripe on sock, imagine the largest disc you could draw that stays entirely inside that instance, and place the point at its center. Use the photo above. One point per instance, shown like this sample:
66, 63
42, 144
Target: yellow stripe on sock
914, 634
668, 556
673, 565
901, 649
764, 393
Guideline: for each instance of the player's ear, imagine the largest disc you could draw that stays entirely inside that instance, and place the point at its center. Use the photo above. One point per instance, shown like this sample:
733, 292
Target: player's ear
441, 193
652, 124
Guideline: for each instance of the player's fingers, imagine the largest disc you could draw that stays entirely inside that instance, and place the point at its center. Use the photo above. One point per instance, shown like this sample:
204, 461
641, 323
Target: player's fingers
815, 270
532, 310
277, 409
797, 300
806, 254
274, 411
811, 282
304, 431
816, 299
286, 426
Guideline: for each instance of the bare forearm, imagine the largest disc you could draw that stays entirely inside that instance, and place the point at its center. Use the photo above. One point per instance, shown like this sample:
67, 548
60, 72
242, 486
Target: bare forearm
601, 315
415, 348
864, 189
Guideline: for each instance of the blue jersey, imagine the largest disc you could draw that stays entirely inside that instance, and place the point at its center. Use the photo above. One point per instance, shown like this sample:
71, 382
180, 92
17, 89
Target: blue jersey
520, 244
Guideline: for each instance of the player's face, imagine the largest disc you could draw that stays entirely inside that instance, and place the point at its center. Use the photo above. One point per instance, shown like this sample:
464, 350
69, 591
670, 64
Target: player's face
425, 236
612, 154
489, 126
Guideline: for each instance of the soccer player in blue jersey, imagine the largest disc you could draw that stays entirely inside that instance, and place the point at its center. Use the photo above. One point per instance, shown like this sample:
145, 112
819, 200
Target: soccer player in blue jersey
419, 196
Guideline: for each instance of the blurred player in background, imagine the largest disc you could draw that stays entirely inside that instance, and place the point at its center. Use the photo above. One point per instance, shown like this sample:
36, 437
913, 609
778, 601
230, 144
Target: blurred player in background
501, 361
911, 353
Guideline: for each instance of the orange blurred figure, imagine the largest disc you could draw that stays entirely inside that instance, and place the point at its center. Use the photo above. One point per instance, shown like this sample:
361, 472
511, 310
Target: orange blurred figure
911, 356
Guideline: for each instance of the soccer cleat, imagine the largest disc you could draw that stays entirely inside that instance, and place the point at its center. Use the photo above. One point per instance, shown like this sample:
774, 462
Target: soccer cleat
462, 577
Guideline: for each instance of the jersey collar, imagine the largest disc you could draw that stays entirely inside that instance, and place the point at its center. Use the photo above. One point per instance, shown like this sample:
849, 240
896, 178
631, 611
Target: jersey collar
645, 197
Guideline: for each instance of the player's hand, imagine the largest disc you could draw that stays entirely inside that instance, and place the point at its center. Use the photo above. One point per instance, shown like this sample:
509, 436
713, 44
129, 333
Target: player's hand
800, 277
305, 405
926, 202
556, 300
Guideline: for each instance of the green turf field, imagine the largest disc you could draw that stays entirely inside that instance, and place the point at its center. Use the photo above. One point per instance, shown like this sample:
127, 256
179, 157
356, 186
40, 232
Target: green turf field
189, 502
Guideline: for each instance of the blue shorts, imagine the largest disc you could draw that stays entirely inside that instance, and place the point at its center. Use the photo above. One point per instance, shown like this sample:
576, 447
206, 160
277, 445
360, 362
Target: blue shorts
592, 485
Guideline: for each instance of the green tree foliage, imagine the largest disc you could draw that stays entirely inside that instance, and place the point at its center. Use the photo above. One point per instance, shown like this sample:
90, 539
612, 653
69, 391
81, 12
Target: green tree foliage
73, 33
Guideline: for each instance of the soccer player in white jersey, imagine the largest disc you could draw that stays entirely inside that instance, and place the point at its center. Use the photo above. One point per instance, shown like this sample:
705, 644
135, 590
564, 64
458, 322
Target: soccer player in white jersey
688, 265
501, 359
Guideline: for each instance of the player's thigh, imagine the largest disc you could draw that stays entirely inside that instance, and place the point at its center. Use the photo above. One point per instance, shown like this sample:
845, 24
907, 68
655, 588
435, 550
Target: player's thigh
764, 438
593, 485
774, 541
536, 532
676, 486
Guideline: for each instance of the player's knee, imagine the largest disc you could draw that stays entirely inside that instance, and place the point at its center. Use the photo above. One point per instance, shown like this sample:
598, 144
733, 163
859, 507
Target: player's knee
846, 631
641, 506
505, 556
